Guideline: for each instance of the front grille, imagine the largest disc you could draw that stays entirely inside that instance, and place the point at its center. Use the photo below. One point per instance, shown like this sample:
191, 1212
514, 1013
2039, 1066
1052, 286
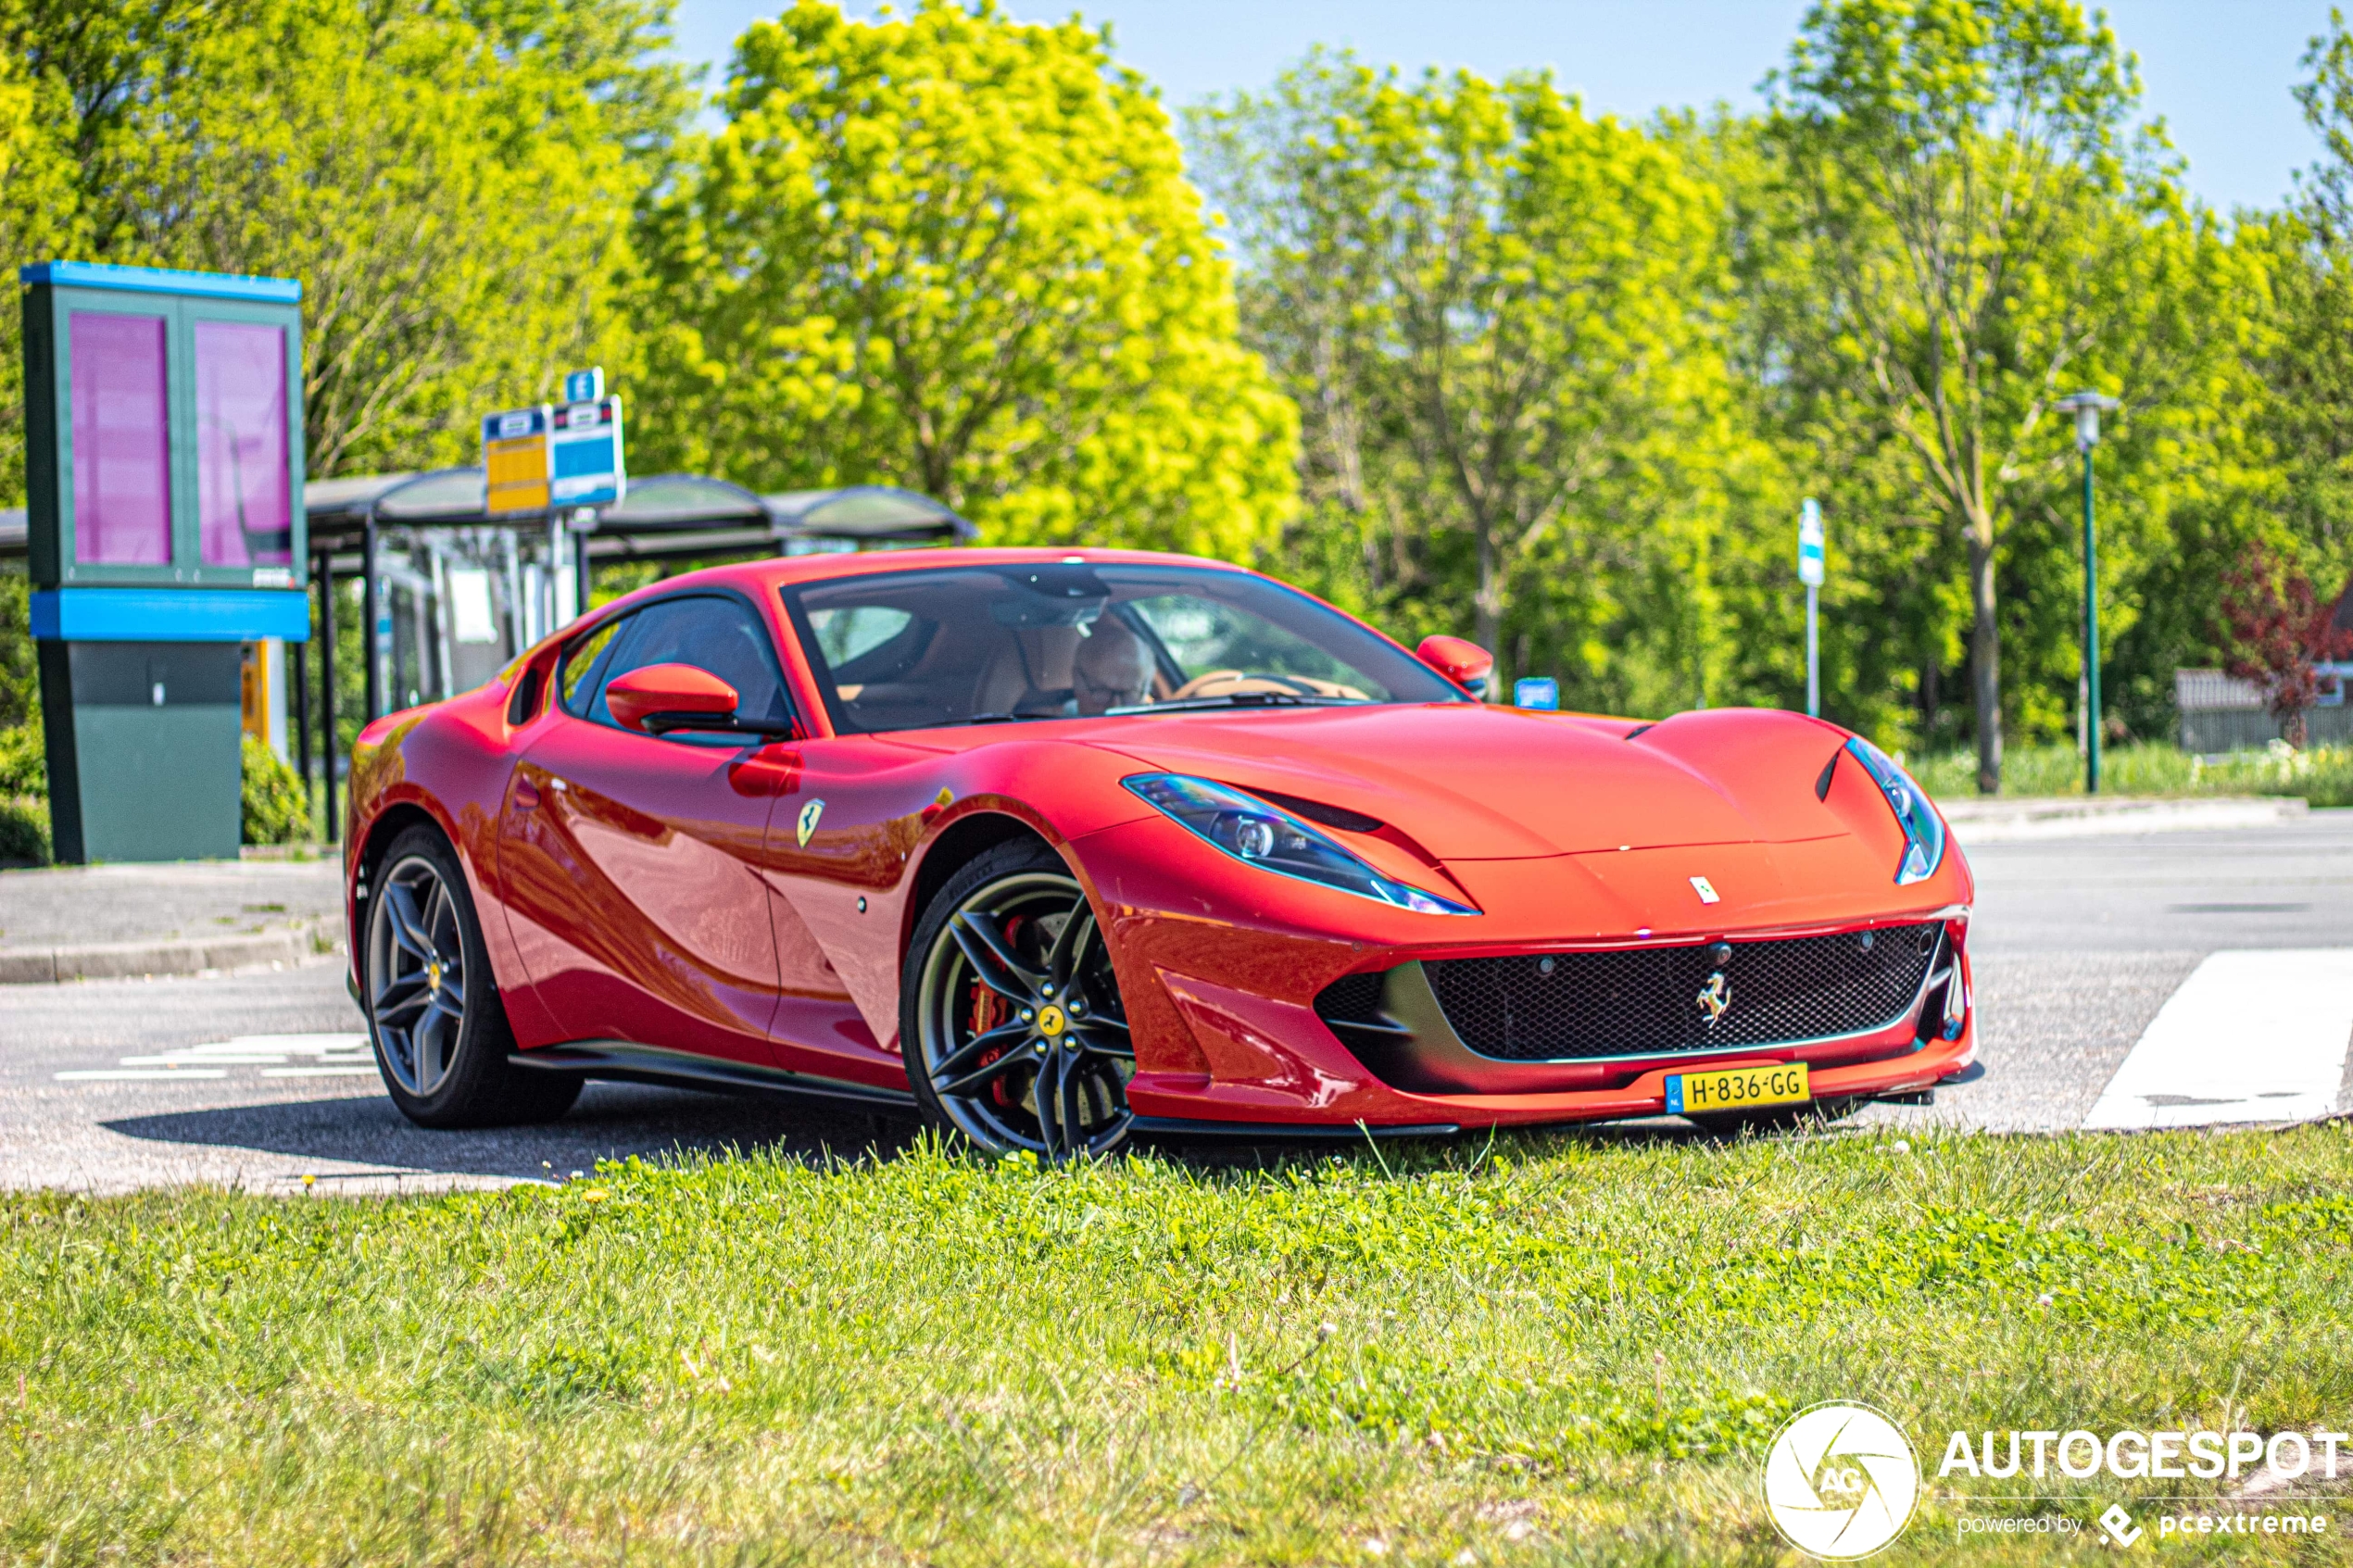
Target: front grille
1645, 1001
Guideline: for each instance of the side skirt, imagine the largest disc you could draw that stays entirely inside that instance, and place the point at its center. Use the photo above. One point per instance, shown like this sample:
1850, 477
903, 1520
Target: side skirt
624, 1062
1277, 1131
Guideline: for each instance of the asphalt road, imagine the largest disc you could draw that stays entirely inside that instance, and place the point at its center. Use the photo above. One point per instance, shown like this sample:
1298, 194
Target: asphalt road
257, 1079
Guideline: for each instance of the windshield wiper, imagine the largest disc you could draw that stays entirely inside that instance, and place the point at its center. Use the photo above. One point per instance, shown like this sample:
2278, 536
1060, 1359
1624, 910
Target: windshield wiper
1240, 699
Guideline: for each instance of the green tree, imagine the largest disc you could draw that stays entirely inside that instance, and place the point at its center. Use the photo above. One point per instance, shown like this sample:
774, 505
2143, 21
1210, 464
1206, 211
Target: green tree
1974, 236
452, 182
1500, 317
958, 253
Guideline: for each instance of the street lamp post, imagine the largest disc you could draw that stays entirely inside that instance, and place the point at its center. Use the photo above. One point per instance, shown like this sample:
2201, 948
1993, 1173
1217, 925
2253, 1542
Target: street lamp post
2087, 406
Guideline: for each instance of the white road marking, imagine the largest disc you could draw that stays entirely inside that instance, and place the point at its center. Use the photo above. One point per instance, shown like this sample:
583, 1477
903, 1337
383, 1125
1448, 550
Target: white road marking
135, 1074
2251, 1036
331, 1056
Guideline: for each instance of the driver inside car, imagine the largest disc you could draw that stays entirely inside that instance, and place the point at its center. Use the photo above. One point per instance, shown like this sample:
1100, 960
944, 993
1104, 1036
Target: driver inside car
1112, 667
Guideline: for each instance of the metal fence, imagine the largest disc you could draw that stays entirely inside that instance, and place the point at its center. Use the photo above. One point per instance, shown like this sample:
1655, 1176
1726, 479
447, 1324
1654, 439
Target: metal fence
2223, 713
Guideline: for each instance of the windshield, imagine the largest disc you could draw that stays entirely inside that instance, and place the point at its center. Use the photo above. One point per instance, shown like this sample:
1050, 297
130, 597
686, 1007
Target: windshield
909, 650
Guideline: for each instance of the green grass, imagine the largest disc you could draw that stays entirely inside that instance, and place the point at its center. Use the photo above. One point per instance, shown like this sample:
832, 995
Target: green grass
2323, 775
1564, 1347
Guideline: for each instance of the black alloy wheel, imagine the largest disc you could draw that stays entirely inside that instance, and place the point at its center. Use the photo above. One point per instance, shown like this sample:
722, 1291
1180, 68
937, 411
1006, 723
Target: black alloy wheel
416, 974
1014, 1032
434, 1015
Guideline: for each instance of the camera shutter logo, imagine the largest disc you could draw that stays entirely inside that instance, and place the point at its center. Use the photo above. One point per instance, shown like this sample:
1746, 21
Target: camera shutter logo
1840, 1481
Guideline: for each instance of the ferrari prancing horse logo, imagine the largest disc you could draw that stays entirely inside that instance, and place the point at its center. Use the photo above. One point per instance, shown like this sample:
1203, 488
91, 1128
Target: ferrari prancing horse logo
1716, 998
808, 815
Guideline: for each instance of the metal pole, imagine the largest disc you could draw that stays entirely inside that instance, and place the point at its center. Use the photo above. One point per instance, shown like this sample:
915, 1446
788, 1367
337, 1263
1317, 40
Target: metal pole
2091, 637
299, 651
581, 574
327, 684
1813, 653
368, 655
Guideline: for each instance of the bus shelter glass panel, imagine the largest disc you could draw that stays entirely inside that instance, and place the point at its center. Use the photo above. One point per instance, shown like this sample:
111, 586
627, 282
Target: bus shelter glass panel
119, 428
458, 603
245, 504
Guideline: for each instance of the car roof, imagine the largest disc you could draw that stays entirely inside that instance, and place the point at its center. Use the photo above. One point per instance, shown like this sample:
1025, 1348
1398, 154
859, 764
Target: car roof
759, 576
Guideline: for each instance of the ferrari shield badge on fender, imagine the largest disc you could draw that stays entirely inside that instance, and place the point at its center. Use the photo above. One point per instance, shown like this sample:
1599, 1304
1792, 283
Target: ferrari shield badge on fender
808, 815
1700, 885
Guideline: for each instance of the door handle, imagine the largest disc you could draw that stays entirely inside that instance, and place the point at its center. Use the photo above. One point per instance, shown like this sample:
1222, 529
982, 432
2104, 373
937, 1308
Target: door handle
526, 794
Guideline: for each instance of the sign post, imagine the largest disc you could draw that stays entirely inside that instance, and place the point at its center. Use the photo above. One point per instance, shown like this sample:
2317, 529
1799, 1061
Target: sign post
561, 463
1809, 572
163, 477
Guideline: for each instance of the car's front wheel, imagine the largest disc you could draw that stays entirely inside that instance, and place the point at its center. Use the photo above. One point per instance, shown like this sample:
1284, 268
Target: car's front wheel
1011, 1022
434, 1015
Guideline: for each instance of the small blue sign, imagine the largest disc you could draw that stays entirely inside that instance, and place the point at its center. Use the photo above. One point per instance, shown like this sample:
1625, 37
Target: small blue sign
585, 386
586, 446
1540, 691
1809, 544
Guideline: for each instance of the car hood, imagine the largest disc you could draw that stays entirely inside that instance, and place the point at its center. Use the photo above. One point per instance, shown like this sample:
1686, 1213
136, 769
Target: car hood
1482, 782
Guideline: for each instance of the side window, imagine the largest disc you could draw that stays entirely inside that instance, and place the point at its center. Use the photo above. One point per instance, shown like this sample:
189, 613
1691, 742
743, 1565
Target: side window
576, 683
717, 635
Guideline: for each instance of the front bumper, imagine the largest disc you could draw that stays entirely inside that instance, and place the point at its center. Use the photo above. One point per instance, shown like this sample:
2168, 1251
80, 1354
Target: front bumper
1248, 1051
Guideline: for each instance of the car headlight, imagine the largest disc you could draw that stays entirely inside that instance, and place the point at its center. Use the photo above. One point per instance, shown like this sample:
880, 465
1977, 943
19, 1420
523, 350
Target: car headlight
1269, 837
1924, 829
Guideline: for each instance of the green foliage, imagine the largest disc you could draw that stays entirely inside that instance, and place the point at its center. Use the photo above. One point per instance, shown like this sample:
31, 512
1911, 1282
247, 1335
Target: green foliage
1508, 1349
956, 253
24, 767
2323, 775
1498, 318
24, 832
452, 183
1954, 232
20, 666
276, 807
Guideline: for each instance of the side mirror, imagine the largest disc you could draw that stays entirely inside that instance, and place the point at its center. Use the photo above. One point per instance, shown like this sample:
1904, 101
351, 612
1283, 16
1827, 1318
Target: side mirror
670, 696
1460, 660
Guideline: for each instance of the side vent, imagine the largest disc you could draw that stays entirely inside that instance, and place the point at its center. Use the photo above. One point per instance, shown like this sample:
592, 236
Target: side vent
1351, 1007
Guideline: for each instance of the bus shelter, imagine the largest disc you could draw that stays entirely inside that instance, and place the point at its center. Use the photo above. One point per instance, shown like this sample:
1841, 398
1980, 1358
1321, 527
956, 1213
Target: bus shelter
453, 591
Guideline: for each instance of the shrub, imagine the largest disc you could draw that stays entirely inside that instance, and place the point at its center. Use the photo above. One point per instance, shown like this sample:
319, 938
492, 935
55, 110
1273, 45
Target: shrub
24, 767
277, 808
24, 832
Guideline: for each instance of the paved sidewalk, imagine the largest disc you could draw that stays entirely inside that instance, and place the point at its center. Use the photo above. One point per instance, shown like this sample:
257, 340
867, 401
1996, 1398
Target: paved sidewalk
76, 923
2007, 819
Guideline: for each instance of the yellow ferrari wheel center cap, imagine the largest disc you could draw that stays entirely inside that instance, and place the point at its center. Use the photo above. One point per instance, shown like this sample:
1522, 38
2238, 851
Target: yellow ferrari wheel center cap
1050, 1020
432, 976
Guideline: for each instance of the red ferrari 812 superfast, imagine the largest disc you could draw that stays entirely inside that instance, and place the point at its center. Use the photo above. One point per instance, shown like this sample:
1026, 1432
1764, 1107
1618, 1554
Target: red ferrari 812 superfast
1062, 847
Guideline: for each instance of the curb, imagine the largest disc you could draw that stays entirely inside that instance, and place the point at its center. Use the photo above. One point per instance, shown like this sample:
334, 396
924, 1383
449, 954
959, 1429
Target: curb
121, 960
2007, 821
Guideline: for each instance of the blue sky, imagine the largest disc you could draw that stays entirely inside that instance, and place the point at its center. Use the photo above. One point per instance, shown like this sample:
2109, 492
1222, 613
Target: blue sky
2219, 71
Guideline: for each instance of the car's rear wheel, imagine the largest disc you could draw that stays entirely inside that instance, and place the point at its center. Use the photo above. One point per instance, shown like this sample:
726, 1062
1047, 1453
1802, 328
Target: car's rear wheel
434, 1015
1012, 1022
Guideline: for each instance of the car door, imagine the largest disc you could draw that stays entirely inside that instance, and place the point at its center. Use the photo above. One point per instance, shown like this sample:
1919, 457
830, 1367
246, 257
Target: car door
633, 862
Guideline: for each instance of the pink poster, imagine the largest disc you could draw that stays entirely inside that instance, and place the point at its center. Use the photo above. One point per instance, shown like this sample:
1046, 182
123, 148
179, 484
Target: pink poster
245, 511
121, 451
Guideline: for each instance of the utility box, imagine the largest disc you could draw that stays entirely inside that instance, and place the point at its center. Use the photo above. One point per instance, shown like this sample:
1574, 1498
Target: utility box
164, 478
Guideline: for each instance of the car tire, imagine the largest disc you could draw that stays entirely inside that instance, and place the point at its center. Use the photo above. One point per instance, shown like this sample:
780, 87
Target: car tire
1010, 1015
435, 1019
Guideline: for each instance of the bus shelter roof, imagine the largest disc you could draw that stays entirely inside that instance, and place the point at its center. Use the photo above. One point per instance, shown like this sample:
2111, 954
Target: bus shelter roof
671, 516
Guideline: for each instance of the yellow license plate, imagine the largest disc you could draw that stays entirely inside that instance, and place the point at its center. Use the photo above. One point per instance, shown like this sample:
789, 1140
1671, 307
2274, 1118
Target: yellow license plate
1702, 1093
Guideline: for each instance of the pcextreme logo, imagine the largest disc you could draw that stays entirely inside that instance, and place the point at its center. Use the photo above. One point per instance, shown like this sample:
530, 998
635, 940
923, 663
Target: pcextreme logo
1840, 1481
